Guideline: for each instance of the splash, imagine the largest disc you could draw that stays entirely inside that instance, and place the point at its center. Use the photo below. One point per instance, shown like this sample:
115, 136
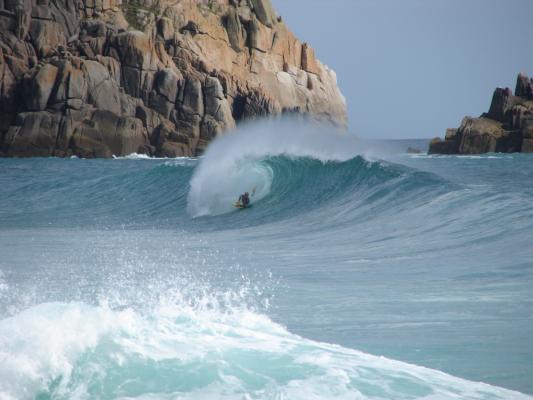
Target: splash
198, 349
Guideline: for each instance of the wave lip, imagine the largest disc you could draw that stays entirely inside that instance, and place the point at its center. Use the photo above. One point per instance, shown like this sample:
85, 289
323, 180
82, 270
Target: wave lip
198, 350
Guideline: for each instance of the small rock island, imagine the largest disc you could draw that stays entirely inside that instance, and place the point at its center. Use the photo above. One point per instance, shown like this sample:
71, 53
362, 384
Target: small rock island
506, 128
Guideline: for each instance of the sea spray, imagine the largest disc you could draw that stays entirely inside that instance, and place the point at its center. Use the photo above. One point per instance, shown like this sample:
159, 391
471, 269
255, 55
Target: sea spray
230, 166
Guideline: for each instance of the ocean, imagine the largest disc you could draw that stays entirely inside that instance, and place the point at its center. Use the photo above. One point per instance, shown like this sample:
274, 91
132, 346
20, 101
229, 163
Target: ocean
359, 272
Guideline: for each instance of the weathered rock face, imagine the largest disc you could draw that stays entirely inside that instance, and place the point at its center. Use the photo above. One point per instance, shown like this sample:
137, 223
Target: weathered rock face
506, 128
162, 77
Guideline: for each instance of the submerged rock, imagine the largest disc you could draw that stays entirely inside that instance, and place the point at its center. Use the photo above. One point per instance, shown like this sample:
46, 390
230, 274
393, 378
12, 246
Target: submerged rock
102, 78
413, 150
506, 128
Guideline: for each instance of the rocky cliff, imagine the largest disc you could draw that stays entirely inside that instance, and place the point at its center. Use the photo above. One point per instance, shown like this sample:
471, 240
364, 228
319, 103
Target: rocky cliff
506, 128
96, 78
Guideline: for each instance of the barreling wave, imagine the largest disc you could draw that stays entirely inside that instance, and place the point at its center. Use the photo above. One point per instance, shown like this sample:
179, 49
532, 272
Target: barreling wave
292, 168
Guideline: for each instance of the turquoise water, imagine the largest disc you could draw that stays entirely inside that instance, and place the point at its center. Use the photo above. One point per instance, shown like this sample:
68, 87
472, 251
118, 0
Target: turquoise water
135, 278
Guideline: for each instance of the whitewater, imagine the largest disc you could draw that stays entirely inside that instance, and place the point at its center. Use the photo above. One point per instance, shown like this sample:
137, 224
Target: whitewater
360, 272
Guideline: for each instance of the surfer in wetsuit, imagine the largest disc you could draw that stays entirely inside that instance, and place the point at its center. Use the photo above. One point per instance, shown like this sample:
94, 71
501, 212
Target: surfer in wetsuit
244, 199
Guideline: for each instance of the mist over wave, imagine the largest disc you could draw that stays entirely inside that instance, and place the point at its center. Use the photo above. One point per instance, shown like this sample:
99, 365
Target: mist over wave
232, 164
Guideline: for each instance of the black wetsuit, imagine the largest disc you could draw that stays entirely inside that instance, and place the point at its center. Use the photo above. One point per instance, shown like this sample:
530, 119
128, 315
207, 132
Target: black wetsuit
244, 200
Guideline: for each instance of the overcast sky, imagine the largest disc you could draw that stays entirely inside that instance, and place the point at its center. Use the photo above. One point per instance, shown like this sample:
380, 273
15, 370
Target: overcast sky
412, 68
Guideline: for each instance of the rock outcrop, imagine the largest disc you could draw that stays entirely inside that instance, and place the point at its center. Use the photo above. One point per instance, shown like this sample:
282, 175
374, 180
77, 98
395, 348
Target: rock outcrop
506, 128
97, 78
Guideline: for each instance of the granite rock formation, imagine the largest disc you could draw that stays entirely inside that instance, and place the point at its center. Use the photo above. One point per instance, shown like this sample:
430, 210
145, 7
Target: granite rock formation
97, 78
506, 128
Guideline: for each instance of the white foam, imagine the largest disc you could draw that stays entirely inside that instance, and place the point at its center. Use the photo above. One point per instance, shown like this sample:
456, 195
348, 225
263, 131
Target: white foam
44, 342
198, 349
135, 156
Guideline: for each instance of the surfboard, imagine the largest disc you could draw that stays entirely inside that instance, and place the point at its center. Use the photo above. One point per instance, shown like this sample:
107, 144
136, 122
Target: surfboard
240, 206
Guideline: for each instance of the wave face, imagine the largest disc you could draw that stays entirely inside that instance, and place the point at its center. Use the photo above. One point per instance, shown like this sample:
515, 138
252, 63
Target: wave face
136, 278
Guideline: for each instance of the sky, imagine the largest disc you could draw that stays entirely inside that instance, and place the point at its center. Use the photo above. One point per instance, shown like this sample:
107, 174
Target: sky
412, 68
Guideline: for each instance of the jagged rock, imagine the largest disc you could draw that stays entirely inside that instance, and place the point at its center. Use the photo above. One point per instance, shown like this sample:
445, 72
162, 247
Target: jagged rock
17, 66
136, 50
87, 142
165, 28
524, 86
527, 129
77, 85
309, 63
123, 135
264, 11
60, 97
188, 124
451, 134
41, 11
94, 28
103, 91
107, 134
33, 134
166, 84
234, 29
103, 76
191, 97
502, 101
169, 142
479, 135
150, 118
254, 105
46, 36
41, 88
450, 144
218, 112
213, 91
128, 104
113, 67
507, 127
438, 146
516, 116
23, 18
173, 149
163, 97
255, 34
192, 28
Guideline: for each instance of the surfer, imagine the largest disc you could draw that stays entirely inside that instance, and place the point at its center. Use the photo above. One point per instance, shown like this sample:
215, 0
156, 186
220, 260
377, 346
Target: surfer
244, 199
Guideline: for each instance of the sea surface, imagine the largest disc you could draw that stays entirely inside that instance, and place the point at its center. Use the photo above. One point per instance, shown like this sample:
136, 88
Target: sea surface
359, 272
